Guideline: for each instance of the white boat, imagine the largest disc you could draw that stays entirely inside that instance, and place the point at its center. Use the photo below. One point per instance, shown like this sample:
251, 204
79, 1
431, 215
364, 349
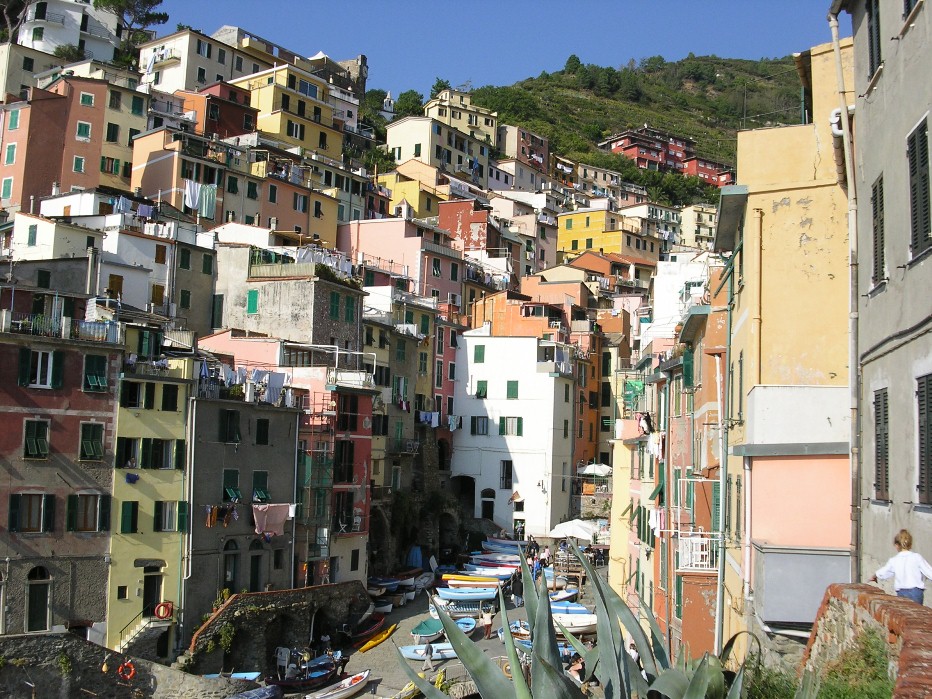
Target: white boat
577, 623
383, 605
349, 687
375, 591
478, 582
441, 651
423, 580
409, 593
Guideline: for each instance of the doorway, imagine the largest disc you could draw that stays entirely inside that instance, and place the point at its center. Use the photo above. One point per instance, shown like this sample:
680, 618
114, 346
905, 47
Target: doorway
151, 589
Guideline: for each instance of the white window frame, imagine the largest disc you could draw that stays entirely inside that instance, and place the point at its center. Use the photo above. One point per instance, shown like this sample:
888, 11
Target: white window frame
9, 154
86, 104
85, 501
77, 131
169, 516
22, 519
78, 165
6, 184
48, 358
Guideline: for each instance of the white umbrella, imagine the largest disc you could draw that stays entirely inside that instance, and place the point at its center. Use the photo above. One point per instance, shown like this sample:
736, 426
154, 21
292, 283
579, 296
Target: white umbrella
596, 470
576, 528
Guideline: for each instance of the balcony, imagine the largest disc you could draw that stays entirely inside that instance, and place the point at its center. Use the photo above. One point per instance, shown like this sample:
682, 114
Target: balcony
154, 368
698, 553
38, 15
402, 446
97, 30
346, 524
381, 493
349, 378
39, 325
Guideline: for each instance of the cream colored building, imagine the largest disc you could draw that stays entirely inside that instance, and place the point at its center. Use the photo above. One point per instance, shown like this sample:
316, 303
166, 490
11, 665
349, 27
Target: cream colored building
456, 110
697, 226
432, 142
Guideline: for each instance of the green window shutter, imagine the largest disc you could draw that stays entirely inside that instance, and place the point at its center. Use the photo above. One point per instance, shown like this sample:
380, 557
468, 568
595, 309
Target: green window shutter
409, 317
149, 403
501, 425
679, 596
688, 369
25, 363
334, 305
104, 514
48, 513
252, 301
128, 517
520, 426
350, 311
182, 516
145, 453
58, 368
716, 506
512, 390
71, 513
180, 447
482, 389
425, 324
13, 521
478, 354
157, 519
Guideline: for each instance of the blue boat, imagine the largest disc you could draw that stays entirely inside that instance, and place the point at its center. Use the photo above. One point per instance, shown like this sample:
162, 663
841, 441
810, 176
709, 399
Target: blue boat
390, 584
468, 594
569, 608
568, 594
441, 651
565, 649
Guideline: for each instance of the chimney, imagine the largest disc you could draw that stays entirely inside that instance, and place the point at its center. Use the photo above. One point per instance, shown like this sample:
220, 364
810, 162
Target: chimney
56, 189
89, 285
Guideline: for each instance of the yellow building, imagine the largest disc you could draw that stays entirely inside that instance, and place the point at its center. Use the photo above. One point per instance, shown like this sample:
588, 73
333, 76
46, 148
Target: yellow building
441, 146
294, 107
604, 230
787, 528
151, 515
455, 109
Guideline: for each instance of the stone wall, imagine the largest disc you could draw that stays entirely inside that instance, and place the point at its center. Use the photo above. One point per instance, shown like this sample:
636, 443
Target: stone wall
849, 609
63, 666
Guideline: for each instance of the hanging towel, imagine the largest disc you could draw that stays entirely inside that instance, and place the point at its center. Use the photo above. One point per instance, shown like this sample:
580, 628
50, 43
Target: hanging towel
207, 203
270, 519
122, 205
145, 211
273, 390
292, 510
435, 419
192, 193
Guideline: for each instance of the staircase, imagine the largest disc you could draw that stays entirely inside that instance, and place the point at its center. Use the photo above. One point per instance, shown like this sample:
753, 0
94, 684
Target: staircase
140, 640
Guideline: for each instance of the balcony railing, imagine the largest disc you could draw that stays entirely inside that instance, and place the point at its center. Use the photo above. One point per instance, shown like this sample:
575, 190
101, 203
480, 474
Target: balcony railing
349, 524
402, 446
40, 325
349, 378
698, 553
37, 16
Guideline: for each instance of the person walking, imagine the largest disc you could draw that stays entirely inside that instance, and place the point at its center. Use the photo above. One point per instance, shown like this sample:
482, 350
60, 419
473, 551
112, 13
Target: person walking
907, 568
428, 665
487, 623
545, 557
517, 590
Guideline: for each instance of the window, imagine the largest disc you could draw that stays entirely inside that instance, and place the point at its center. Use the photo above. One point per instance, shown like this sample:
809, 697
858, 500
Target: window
38, 592
438, 374
88, 512
334, 305
512, 389
40, 368
321, 139
229, 426
169, 397
36, 439
95, 372
479, 424
262, 431
478, 354
300, 202
252, 301
201, 75
6, 188
207, 264
566, 429
77, 164
513, 426
231, 490
874, 40
435, 264
917, 152
505, 475
203, 48
349, 314
92, 441
87, 99
273, 193
28, 63
441, 335
238, 62
138, 103
252, 190
184, 259
569, 224
13, 120
260, 486
400, 350
295, 130
166, 516
878, 271
184, 299
482, 389
232, 184
9, 156
924, 400
83, 132
422, 363
129, 517
451, 371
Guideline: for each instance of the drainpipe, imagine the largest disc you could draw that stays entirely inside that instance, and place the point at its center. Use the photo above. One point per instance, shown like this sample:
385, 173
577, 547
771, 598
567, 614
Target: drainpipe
746, 567
854, 369
666, 504
294, 520
756, 321
724, 407
188, 489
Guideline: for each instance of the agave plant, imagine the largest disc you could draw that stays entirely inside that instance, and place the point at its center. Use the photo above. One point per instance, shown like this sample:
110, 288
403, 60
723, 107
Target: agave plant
609, 661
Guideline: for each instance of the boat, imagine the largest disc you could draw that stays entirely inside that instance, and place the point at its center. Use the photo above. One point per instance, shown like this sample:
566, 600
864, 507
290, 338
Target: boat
519, 629
272, 692
377, 639
375, 591
349, 687
568, 594
409, 592
407, 577
398, 598
569, 608
576, 623
251, 676
390, 584
494, 546
313, 673
506, 559
423, 580
525, 646
474, 582
514, 543
383, 605
447, 577
498, 572
458, 609
432, 629
468, 593
441, 651
372, 624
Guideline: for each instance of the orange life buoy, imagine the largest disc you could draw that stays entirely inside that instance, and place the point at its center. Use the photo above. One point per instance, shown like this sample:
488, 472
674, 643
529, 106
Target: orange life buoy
163, 610
127, 671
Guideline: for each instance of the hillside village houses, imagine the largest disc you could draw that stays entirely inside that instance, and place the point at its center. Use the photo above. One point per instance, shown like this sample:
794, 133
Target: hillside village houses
237, 360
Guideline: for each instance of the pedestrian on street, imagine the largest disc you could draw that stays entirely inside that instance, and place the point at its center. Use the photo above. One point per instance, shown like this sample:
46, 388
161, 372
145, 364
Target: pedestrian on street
545, 557
535, 571
428, 658
487, 623
532, 547
907, 568
517, 590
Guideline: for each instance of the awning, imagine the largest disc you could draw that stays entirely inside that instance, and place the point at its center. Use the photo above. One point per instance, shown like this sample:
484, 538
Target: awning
732, 205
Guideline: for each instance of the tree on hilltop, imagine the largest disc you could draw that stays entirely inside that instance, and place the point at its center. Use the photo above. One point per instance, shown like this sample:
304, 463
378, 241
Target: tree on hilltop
135, 17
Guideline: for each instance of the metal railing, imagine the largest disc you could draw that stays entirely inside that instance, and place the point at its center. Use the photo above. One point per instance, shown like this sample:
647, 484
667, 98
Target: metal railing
698, 553
402, 446
55, 17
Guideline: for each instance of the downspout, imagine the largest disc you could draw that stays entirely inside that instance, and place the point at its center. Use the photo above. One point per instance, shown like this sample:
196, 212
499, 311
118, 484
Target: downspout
666, 504
746, 566
294, 520
854, 369
188, 489
756, 321
724, 407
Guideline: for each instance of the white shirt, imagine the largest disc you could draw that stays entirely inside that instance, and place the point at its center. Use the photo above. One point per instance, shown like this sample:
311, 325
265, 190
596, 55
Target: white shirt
907, 569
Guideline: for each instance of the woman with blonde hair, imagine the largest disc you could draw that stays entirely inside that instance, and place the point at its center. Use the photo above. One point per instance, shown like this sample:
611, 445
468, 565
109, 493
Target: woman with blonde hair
907, 569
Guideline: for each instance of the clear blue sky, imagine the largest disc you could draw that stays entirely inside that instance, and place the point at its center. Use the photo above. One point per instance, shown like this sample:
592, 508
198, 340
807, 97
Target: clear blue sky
411, 42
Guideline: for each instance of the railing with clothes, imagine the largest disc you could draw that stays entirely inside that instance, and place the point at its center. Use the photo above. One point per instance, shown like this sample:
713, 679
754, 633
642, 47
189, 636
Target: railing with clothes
697, 552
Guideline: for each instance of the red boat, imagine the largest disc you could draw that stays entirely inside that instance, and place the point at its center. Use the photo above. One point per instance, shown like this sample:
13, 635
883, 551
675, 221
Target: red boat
371, 625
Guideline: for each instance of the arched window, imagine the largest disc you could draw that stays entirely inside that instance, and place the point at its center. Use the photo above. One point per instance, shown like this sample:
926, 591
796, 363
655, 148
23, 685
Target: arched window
38, 589
488, 493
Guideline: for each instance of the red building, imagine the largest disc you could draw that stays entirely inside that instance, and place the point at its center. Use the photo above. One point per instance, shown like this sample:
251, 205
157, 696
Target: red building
222, 110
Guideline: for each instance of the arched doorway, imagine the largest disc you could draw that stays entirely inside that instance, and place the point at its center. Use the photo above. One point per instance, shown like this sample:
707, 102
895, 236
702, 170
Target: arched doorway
463, 489
38, 593
230, 565
488, 504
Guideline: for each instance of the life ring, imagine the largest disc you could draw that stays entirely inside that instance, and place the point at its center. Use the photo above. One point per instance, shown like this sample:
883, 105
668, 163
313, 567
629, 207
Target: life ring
163, 610
127, 671
506, 668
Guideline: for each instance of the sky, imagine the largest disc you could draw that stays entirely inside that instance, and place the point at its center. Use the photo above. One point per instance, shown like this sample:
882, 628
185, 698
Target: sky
410, 43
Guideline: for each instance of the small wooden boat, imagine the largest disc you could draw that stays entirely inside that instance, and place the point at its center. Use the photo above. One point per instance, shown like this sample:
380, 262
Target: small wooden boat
377, 639
349, 687
432, 629
568, 594
407, 577
576, 623
520, 629
383, 605
457, 609
441, 651
468, 594
375, 591
315, 674
569, 608
370, 626
423, 580
390, 584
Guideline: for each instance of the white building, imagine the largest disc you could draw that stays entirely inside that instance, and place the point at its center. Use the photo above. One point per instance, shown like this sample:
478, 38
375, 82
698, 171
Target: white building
512, 459
53, 23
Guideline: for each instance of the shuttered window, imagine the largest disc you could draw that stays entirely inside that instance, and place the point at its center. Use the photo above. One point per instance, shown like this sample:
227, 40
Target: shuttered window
917, 153
924, 398
881, 445
874, 41
877, 269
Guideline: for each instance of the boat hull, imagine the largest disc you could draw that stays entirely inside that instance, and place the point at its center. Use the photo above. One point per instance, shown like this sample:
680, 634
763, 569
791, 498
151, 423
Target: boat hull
441, 651
468, 594
349, 687
377, 639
